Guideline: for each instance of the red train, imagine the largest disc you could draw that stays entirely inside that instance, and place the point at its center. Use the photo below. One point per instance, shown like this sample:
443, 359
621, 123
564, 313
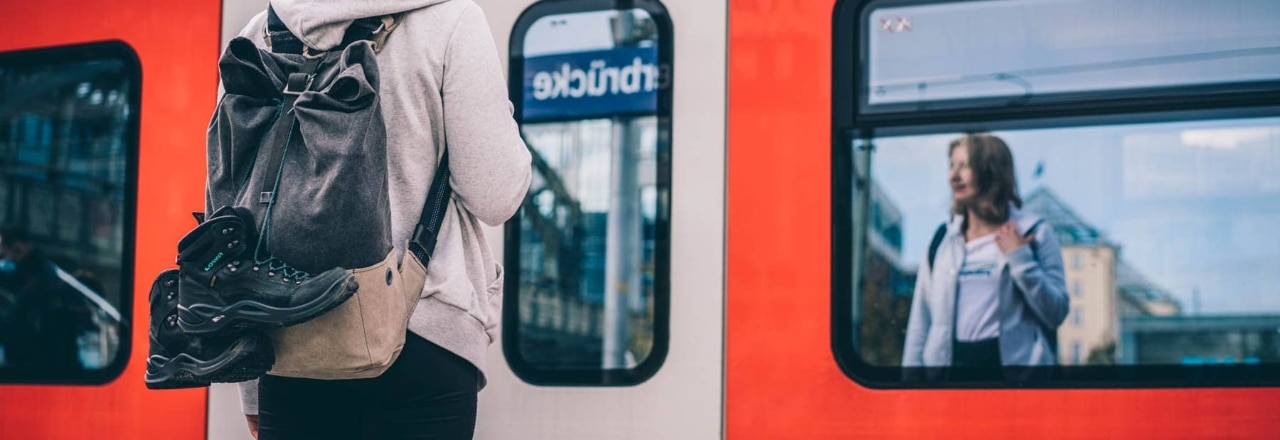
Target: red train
787, 168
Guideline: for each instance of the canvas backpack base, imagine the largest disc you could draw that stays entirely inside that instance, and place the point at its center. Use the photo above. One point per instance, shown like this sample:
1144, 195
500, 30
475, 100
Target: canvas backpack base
362, 337
299, 141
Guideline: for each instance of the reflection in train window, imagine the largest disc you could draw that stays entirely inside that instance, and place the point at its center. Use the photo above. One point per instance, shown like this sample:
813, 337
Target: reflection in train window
68, 129
1083, 192
1173, 223
588, 253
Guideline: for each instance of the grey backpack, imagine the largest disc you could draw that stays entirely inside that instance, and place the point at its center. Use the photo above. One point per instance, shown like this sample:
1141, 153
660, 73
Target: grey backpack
299, 141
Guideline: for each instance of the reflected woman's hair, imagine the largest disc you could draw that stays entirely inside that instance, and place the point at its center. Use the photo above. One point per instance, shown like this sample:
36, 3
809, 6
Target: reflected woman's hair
997, 184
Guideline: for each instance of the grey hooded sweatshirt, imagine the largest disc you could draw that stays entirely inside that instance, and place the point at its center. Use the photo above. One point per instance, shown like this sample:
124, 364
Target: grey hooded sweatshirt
442, 86
1032, 291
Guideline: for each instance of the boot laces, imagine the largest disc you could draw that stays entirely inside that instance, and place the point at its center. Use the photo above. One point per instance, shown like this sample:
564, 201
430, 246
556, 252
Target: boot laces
261, 256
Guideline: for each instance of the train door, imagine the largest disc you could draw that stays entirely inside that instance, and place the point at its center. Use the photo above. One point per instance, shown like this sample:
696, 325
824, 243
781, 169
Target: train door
1142, 135
614, 294
99, 142
613, 316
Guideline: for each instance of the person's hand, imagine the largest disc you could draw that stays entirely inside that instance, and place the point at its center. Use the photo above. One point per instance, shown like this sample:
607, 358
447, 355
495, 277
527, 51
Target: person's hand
253, 424
1008, 239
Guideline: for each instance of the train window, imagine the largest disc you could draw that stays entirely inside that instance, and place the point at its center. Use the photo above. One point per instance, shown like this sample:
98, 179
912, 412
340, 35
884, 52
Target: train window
588, 255
957, 55
68, 146
1082, 199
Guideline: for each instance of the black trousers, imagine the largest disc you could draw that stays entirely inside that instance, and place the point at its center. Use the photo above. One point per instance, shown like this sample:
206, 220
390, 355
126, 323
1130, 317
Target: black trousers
428, 393
984, 353
976, 360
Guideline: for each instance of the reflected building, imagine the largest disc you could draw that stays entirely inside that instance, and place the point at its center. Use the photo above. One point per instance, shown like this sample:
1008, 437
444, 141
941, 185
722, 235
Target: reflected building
1089, 263
1141, 297
64, 140
1199, 340
886, 287
1119, 316
63, 161
1104, 289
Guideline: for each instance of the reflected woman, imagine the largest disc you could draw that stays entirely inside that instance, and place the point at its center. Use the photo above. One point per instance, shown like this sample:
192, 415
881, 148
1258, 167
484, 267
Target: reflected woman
991, 292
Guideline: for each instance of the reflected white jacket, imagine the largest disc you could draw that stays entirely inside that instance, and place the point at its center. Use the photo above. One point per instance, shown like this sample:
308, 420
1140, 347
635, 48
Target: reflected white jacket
1041, 295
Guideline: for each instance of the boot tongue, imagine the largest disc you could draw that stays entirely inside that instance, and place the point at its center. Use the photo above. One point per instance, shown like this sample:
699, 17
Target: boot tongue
251, 225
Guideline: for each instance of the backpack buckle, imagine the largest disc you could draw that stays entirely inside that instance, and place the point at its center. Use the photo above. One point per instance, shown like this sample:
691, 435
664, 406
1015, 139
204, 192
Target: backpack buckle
379, 35
298, 82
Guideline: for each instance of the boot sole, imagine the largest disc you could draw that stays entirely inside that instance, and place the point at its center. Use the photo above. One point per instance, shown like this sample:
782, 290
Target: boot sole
253, 315
247, 359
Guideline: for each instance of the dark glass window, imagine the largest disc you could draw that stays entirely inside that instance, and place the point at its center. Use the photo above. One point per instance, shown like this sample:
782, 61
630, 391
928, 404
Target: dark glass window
588, 257
68, 145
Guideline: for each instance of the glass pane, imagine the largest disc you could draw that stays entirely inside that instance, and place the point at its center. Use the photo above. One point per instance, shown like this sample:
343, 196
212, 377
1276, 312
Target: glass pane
64, 131
589, 240
1165, 238
1025, 50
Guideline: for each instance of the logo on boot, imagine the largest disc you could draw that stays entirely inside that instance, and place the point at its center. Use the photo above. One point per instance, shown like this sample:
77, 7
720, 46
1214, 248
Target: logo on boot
215, 261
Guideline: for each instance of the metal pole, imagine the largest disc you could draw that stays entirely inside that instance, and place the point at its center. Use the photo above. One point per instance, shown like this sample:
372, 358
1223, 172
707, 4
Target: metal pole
622, 239
622, 248
862, 149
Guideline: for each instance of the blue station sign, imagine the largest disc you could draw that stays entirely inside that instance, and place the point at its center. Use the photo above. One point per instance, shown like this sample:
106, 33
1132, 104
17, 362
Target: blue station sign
584, 85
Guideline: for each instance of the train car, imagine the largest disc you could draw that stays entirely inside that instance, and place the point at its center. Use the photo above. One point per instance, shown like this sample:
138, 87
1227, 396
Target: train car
730, 218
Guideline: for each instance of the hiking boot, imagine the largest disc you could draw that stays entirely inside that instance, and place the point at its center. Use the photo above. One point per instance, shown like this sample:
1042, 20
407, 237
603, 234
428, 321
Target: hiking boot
179, 361
223, 282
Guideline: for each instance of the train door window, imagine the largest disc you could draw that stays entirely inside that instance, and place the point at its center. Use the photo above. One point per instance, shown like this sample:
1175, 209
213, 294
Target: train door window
68, 148
588, 255
1003, 168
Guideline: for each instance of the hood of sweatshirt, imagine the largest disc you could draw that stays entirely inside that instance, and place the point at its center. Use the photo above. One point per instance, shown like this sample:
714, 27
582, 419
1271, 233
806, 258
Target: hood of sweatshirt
320, 24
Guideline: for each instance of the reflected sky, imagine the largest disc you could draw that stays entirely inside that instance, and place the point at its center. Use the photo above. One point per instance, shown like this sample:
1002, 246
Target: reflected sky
1011, 48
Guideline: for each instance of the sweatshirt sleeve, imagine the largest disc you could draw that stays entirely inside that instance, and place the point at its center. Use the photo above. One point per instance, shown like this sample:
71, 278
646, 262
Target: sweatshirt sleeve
918, 321
249, 397
1039, 274
487, 157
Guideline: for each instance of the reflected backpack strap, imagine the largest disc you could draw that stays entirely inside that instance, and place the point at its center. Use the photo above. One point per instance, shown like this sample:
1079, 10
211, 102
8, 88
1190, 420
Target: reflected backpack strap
938, 235
1031, 233
423, 241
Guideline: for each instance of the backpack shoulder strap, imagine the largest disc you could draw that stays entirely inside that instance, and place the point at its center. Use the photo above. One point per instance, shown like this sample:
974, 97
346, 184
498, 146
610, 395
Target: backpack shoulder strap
1031, 233
279, 39
938, 235
387, 23
423, 241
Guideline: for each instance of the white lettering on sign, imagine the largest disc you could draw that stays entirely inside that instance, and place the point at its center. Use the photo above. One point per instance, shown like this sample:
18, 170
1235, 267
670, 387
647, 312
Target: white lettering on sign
598, 80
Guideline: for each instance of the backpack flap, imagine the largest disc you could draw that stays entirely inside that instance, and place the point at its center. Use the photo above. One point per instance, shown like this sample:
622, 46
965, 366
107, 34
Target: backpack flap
303, 147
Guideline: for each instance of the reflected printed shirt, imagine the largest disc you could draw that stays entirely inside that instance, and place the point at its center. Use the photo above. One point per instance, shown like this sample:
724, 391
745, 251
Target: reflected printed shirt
978, 295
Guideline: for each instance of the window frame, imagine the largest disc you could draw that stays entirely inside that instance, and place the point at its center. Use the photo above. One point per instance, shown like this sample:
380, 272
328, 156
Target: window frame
853, 132
120, 51
527, 371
